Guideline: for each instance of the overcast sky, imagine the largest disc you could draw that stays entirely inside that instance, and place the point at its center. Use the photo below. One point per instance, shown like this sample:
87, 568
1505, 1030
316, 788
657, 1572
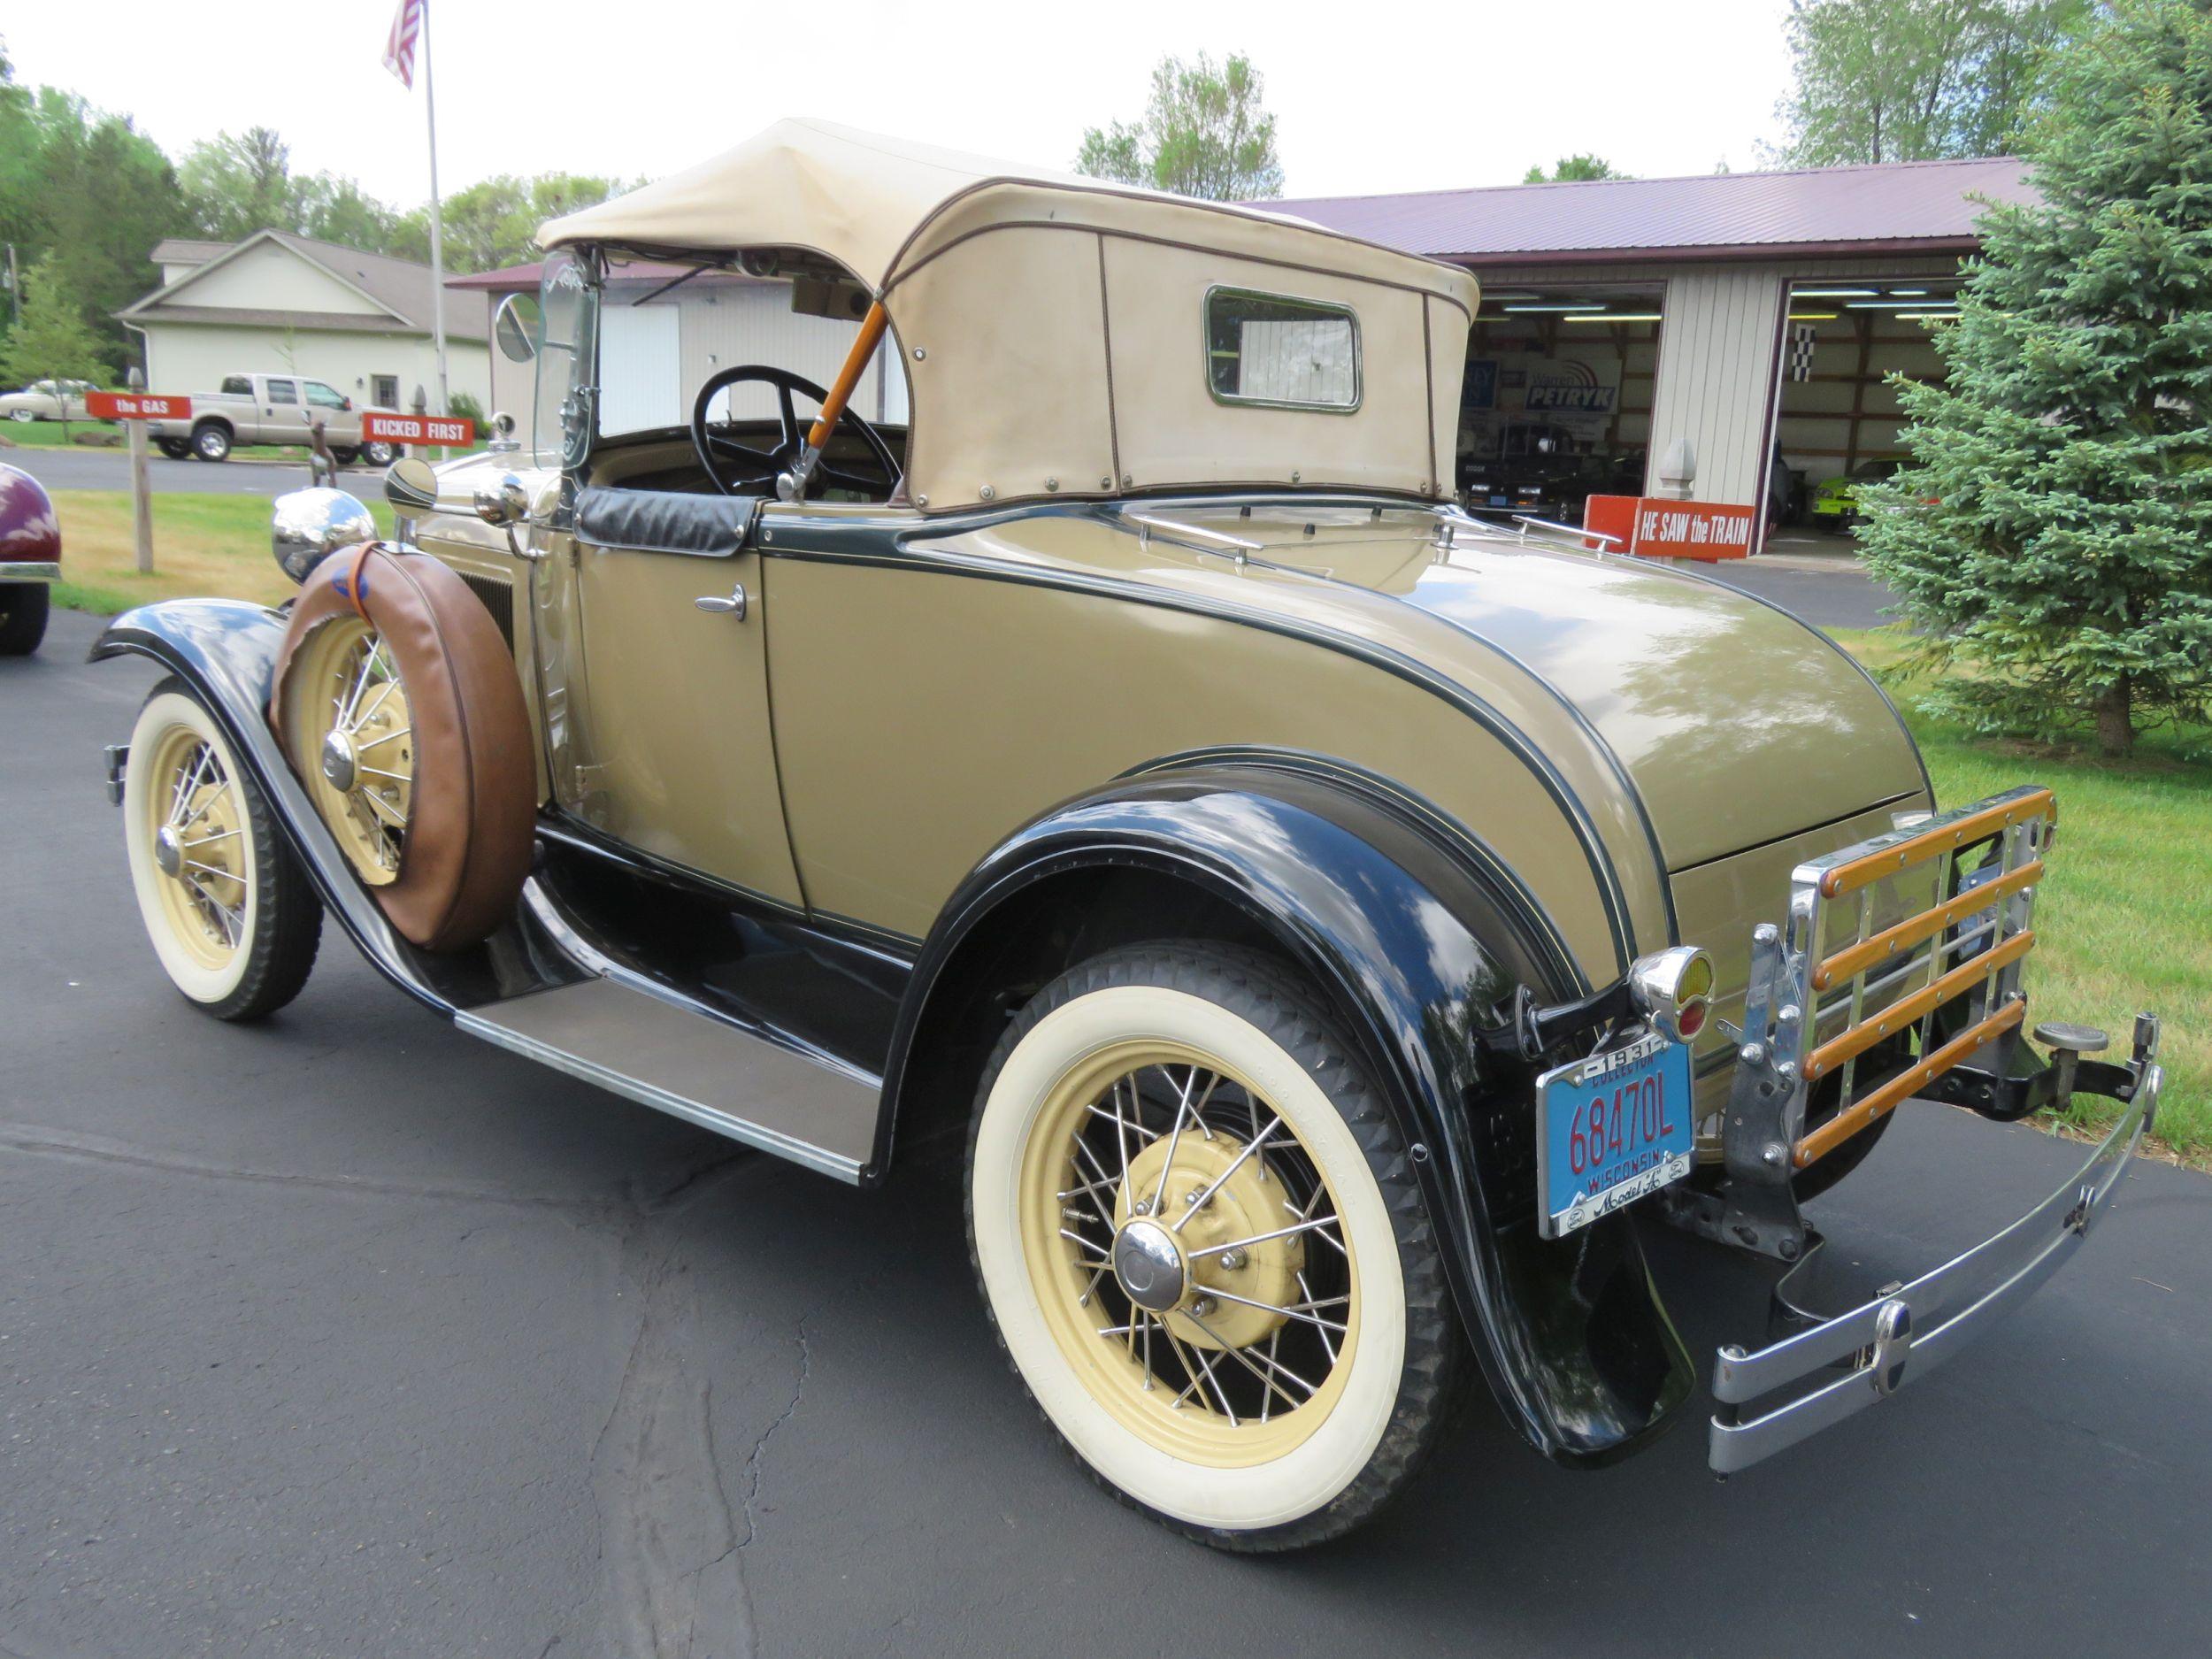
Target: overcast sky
1374, 95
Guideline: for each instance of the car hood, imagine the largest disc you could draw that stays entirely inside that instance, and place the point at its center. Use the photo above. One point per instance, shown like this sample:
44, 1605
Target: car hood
1735, 724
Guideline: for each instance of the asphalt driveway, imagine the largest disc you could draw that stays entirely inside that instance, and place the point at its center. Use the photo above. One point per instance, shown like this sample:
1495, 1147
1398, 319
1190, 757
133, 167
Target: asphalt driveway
111, 469
350, 1335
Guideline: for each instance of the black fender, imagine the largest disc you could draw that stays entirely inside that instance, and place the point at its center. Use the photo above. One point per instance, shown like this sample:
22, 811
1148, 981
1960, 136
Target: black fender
226, 650
1419, 936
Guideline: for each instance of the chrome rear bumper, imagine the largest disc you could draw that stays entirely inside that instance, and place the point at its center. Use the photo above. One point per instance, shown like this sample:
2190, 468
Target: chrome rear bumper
29, 571
1903, 1334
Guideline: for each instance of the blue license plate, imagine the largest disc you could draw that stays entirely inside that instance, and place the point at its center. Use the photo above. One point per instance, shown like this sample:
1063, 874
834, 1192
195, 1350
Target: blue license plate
1502, 501
1611, 1129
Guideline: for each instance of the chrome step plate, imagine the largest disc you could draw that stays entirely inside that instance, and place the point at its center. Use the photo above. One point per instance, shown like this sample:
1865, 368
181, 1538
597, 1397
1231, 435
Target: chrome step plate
692, 1067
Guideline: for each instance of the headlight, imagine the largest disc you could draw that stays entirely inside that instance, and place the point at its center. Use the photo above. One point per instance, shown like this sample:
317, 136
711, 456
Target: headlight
1673, 989
308, 525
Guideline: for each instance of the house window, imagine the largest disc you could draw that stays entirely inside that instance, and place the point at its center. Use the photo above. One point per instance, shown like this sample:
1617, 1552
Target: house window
1274, 349
384, 390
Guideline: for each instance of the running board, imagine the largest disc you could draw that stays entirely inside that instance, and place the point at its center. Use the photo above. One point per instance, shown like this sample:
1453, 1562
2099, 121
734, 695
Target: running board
693, 1066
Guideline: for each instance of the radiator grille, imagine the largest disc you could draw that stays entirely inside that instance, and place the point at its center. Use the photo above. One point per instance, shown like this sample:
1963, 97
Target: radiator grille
499, 599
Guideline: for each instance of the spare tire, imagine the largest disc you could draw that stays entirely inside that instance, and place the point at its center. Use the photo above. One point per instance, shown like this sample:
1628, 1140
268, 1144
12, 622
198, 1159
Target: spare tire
397, 704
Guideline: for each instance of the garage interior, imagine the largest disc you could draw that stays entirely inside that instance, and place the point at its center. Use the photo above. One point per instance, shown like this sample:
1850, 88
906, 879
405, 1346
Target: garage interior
1836, 414
1556, 402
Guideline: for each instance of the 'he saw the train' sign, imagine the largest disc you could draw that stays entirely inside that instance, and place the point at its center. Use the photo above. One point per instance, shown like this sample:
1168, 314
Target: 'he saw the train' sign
1664, 529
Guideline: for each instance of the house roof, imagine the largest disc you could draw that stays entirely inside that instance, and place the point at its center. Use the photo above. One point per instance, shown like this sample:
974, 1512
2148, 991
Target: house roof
1896, 207
186, 250
400, 287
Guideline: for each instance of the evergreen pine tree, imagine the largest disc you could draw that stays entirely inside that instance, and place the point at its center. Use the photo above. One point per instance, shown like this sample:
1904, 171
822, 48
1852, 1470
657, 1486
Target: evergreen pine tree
2053, 531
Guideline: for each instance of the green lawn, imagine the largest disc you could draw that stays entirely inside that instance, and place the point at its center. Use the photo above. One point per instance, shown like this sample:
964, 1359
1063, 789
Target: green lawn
204, 545
2124, 921
47, 435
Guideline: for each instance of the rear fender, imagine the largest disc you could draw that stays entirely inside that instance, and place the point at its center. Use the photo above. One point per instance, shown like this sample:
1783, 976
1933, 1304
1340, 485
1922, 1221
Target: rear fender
1419, 937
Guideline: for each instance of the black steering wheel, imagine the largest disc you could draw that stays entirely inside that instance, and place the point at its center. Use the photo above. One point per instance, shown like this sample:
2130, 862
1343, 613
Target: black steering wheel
738, 469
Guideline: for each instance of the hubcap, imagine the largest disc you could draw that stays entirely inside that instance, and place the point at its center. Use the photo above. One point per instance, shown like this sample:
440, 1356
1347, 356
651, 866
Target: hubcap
1149, 1266
338, 762
169, 850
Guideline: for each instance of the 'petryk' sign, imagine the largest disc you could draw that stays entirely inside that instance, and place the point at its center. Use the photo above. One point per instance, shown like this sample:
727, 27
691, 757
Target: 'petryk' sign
441, 431
135, 406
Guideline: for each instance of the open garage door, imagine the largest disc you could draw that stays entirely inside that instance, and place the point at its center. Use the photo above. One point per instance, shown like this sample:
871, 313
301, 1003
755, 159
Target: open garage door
1557, 403
1837, 415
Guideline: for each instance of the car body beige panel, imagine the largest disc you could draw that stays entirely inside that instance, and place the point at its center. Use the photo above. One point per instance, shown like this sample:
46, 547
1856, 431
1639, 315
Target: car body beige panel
1722, 901
1035, 294
924, 716
674, 750
1172, 431
1355, 549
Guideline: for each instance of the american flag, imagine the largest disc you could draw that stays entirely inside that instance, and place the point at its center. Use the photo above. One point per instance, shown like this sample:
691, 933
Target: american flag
399, 50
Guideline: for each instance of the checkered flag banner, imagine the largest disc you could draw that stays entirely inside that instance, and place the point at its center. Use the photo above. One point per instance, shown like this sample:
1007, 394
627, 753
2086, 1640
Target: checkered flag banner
399, 49
1801, 338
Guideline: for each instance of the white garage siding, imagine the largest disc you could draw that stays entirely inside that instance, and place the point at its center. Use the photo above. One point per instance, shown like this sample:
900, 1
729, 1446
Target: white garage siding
753, 322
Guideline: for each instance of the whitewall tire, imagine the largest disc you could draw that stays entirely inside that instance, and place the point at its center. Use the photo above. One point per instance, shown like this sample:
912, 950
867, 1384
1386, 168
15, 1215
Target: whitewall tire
232, 918
1200, 1239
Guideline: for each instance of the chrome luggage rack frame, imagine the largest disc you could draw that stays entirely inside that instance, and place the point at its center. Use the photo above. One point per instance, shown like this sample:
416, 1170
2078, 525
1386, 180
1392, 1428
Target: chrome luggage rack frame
1456, 525
1806, 1016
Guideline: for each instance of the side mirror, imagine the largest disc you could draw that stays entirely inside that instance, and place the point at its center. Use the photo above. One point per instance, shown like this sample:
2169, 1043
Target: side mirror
411, 486
502, 501
308, 525
519, 325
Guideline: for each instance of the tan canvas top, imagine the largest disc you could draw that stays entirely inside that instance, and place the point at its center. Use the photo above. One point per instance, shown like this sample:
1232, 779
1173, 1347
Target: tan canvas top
1050, 325
868, 201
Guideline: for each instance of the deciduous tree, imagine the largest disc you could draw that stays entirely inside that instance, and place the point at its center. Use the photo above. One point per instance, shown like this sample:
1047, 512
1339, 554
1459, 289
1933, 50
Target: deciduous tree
2053, 531
1915, 80
1571, 169
1204, 132
52, 338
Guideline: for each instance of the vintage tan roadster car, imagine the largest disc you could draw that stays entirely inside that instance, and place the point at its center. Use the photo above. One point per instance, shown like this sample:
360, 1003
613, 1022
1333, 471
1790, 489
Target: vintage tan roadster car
1338, 928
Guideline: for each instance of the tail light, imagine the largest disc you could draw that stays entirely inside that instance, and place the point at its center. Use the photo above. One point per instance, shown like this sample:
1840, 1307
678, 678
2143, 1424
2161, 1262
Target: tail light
1673, 989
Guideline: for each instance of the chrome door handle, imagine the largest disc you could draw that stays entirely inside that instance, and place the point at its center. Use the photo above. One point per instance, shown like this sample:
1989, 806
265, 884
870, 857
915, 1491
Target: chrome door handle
733, 606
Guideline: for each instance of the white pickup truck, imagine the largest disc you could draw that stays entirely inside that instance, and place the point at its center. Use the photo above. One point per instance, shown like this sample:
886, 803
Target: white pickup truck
267, 408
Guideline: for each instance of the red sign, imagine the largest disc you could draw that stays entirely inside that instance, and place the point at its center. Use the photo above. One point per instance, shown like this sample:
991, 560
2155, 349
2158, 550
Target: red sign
1664, 529
444, 431
135, 406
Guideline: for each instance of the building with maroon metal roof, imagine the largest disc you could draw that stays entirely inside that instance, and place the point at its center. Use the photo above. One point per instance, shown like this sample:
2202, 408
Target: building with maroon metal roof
1735, 314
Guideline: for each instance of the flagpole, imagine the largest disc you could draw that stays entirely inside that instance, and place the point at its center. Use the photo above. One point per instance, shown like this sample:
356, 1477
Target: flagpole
437, 222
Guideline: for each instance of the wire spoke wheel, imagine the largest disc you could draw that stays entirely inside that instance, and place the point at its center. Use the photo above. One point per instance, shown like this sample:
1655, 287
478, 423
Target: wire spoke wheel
197, 831
232, 918
1198, 1233
353, 741
1189, 1255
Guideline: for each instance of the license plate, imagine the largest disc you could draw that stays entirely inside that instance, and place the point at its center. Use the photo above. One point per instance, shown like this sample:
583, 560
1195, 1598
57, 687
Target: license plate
1611, 1129
1502, 501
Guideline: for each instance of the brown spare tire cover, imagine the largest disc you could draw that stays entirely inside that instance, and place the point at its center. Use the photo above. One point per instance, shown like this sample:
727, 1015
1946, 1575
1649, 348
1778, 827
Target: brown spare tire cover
470, 821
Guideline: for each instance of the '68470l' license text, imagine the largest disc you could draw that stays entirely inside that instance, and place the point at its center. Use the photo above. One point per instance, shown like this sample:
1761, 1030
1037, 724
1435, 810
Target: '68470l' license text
1611, 1129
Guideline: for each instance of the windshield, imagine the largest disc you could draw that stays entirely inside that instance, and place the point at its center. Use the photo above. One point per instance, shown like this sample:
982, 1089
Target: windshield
560, 425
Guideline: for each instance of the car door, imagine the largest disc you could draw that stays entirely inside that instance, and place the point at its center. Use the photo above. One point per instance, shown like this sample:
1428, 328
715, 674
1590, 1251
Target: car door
666, 701
328, 404
282, 418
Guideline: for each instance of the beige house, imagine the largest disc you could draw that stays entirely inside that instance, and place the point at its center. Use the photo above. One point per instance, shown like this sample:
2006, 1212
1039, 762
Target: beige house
278, 304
